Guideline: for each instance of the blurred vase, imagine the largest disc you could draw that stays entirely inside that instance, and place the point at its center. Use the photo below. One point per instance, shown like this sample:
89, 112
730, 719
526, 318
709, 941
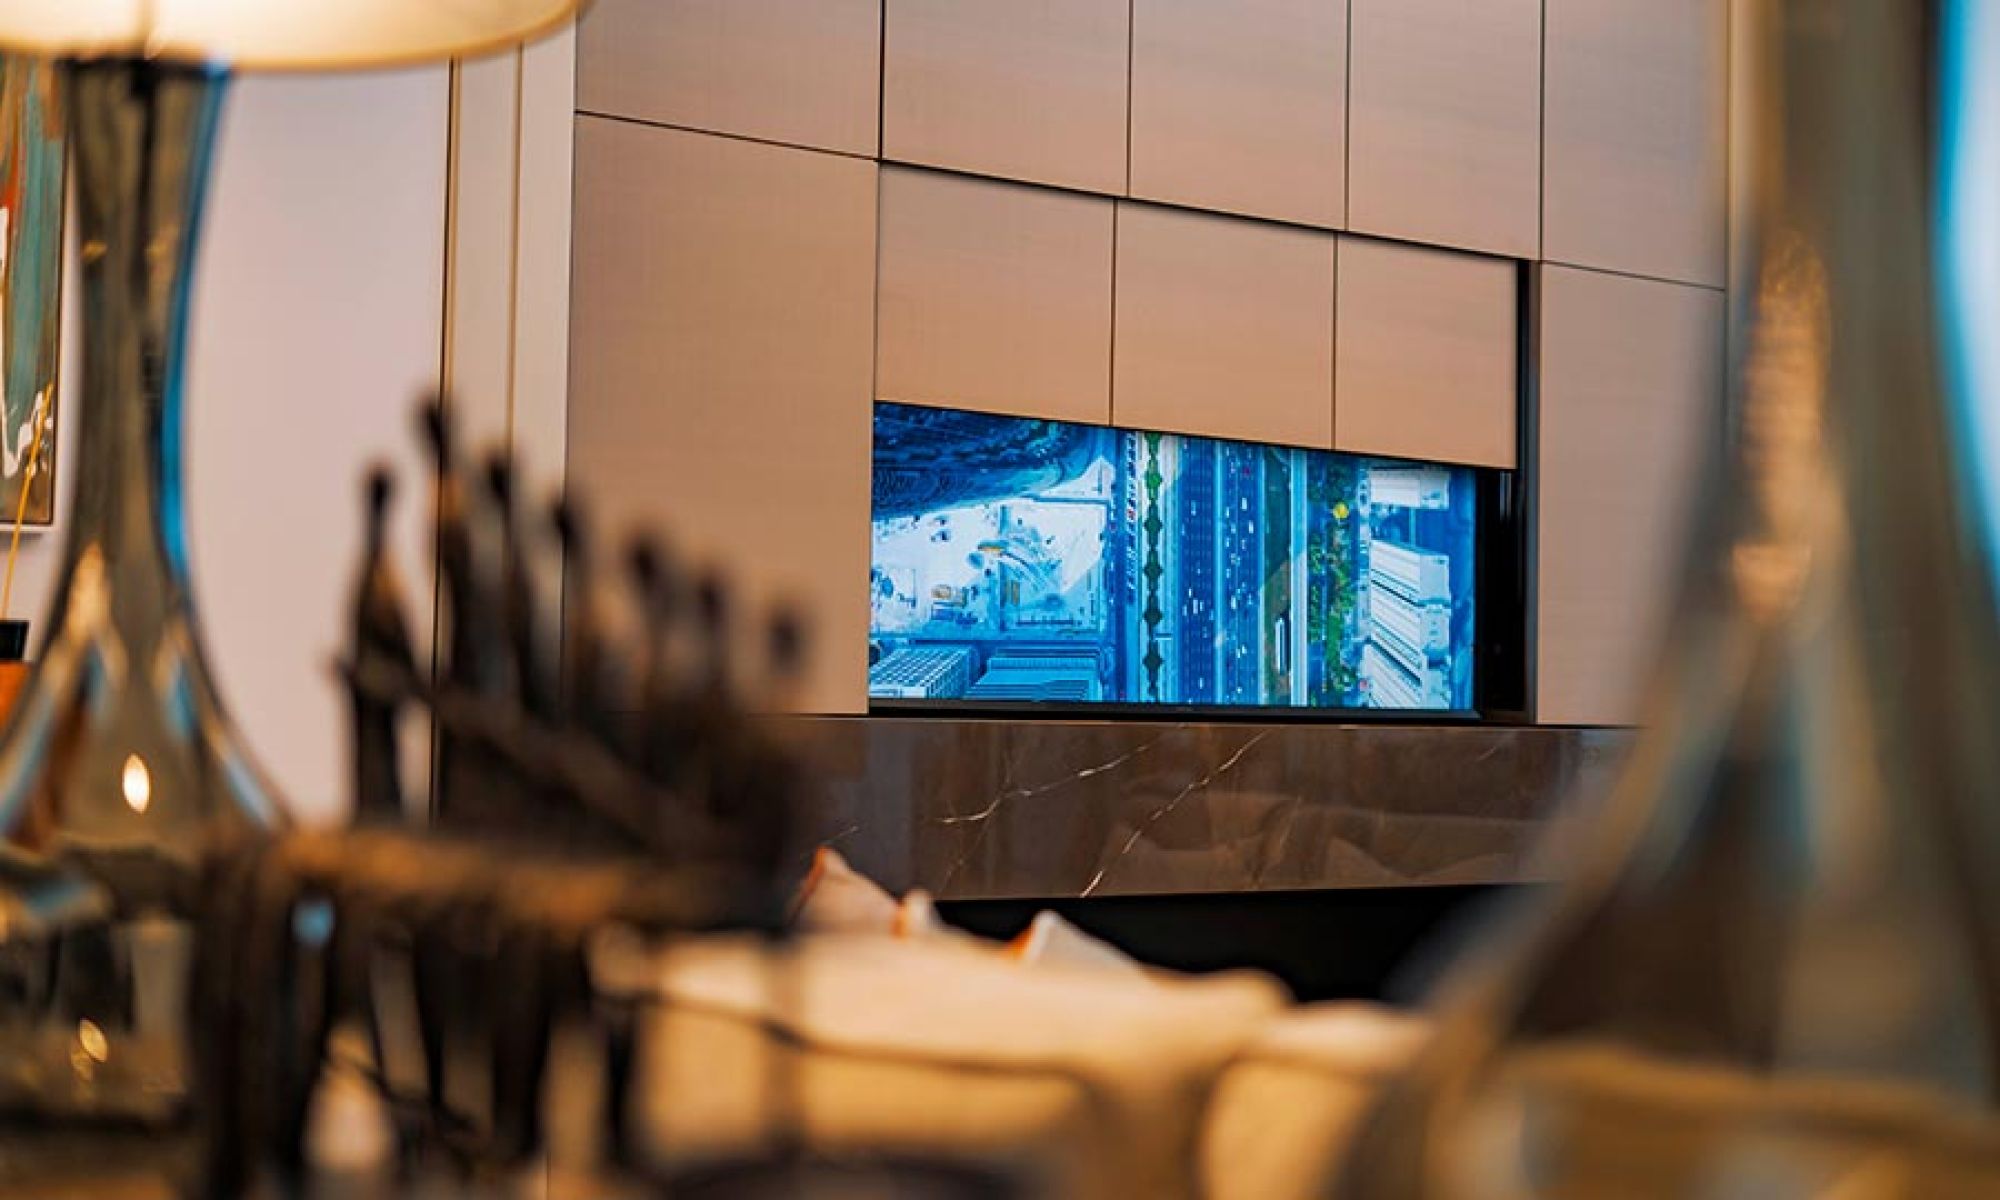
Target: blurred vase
118, 772
1775, 968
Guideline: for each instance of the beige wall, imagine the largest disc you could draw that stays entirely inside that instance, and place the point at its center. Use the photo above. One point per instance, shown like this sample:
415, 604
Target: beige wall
1224, 327
326, 290
724, 338
994, 297
1444, 123
1127, 213
806, 74
1630, 374
1208, 131
302, 375
1635, 144
1428, 354
317, 324
1028, 89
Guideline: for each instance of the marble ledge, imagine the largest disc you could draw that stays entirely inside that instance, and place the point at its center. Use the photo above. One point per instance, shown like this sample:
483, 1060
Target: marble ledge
1044, 808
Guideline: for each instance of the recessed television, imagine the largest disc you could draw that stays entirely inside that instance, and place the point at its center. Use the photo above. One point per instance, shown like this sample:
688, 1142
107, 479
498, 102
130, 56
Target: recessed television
1026, 562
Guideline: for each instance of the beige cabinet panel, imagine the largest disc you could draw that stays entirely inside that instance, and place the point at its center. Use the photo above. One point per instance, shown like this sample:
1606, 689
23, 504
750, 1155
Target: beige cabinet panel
801, 71
1636, 137
1241, 106
1427, 365
994, 296
722, 330
1224, 327
1023, 89
1630, 405
1444, 122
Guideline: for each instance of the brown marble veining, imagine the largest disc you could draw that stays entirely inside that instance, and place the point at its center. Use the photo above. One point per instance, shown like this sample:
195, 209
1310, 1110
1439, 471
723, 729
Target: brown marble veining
991, 808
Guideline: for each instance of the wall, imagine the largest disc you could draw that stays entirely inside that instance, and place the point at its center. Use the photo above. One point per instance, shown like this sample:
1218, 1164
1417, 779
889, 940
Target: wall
1301, 221
317, 326
339, 255
507, 280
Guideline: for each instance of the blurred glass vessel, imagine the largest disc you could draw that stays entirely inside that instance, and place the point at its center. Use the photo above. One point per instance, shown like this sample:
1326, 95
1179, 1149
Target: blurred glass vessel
119, 771
1775, 971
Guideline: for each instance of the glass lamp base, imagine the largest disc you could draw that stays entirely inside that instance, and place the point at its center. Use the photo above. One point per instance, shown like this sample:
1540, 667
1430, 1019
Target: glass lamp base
120, 776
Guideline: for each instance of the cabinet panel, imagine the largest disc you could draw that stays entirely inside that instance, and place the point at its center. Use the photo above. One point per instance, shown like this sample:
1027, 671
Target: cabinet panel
994, 297
1428, 354
1023, 89
1636, 137
1242, 107
1444, 123
1224, 327
801, 71
722, 329
1630, 402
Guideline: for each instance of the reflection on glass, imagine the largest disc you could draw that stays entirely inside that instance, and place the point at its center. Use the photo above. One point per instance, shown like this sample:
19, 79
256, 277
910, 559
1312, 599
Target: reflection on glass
137, 784
1774, 968
1030, 560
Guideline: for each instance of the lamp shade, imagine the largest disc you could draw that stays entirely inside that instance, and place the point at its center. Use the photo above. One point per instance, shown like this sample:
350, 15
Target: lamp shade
304, 35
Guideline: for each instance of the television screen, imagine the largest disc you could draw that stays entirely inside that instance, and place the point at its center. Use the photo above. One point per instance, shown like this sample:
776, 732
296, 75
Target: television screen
1025, 561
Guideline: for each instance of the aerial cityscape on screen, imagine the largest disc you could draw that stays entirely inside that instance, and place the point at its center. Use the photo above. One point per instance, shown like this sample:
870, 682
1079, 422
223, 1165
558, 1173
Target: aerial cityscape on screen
1025, 560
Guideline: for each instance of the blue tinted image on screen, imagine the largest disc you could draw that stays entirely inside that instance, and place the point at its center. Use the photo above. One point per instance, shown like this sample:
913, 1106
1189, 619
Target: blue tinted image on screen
1036, 561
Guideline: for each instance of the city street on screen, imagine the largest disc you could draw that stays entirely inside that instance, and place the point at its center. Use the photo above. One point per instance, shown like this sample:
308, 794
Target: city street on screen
1032, 561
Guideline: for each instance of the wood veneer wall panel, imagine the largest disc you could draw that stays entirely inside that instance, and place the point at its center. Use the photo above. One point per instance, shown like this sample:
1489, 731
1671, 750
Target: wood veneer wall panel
1022, 89
1630, 402
1444, 115
1224, 327
1636, 138
1427, 357
1241, 107
807, 72
994, 297
723, 326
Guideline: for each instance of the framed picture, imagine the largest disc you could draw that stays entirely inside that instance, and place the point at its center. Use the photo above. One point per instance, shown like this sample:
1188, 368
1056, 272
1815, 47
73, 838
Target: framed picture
31, 215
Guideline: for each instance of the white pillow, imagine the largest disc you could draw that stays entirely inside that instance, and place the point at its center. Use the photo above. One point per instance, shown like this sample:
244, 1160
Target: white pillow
1284, 1111
835, 898
1092, 1082
1051, 940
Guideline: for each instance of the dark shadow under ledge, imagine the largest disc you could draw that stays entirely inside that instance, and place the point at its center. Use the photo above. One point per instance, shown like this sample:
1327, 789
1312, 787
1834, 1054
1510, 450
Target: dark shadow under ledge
1041, 808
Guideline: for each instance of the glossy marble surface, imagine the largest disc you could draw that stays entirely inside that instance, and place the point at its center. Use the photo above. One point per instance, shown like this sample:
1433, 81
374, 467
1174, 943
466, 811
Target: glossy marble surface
1040, 808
